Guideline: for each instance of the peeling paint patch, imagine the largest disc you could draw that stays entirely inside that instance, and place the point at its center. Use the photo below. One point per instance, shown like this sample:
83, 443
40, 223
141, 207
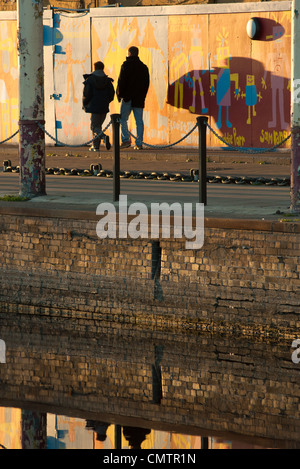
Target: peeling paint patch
295, 164
32, 159
31, 109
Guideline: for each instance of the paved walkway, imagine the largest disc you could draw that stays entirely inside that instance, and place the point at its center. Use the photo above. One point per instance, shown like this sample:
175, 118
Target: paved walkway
230, 201
173, 159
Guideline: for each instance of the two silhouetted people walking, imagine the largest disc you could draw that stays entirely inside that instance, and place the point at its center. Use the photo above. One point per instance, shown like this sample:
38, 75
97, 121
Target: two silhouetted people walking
132, 89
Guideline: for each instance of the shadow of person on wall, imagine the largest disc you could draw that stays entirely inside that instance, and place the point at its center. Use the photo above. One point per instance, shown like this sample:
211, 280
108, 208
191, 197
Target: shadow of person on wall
240, 95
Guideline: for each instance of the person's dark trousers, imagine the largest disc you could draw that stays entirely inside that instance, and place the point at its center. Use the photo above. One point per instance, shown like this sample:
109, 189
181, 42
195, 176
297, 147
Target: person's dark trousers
96, 128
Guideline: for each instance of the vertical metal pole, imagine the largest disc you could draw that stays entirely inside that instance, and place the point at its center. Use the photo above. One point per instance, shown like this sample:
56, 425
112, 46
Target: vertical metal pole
33, 429
295, 109
31, 98
204, 442
118, 437
116, 145
202, 121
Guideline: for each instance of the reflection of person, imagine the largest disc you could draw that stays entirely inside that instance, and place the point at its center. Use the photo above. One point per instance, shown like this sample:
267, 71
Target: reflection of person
98, 92
133, 85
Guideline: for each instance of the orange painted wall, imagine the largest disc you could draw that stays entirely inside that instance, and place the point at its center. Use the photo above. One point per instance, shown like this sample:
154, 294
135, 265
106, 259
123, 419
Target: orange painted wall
211, 68
200, 64
243, 86
10, 428
9, 108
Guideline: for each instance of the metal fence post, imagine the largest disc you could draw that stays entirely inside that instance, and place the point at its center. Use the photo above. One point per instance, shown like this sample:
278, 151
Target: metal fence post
118, 437
31, 98
295, 110
115, 118
202, 121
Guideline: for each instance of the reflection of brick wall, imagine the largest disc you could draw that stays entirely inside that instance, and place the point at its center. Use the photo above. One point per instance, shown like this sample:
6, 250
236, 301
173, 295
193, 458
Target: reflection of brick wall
8, 5
88, 325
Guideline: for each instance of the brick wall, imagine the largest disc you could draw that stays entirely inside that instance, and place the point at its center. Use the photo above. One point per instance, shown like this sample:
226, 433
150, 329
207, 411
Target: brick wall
199, 340
246, 279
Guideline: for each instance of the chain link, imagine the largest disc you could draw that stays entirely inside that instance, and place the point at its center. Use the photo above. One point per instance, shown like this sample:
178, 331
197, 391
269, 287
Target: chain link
166, 146
8, 138
193, 177
100, 134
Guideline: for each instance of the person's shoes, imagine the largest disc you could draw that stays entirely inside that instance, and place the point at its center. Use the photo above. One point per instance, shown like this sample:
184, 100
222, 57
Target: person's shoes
125, 144
138, 147
107, 142
93, 149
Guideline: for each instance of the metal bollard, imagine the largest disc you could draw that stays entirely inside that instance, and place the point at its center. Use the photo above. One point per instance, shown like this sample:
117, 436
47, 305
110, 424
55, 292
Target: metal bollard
202, 121
204, 442
118, 437
115, 118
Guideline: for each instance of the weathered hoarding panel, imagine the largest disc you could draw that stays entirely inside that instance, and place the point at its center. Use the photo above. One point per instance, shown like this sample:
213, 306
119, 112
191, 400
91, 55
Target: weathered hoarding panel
111, 38
9, 74
189, 64
243, 86
72, 59
201, 62
273, 56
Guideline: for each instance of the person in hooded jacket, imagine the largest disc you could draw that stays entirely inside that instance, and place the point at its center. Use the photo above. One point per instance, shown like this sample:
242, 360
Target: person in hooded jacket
132, 89
98, 92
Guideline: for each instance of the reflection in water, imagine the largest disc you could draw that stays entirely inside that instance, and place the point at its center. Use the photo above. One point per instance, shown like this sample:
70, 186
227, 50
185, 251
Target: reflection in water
62, 432
109, 381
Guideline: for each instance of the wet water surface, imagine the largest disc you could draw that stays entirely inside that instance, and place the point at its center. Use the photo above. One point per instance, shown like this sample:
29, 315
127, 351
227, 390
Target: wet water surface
187, 390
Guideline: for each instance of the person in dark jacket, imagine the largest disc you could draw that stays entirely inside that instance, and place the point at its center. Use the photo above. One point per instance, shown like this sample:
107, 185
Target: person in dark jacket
98, 92
132, 88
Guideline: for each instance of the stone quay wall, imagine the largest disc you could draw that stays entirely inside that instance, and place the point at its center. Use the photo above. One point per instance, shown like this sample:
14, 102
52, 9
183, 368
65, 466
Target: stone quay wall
244, 278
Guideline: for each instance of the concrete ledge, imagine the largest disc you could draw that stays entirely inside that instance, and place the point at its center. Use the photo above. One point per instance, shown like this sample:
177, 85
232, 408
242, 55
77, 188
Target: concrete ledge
19, 209
165, 10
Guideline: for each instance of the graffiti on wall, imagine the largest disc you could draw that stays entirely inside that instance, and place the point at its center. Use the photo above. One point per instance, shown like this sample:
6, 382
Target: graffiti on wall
243, 86
199, 65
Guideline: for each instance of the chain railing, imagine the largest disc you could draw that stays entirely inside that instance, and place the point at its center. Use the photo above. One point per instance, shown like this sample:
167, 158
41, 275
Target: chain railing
9, 138
99, 135
240, 149
195, 175
248, 150
158, 147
